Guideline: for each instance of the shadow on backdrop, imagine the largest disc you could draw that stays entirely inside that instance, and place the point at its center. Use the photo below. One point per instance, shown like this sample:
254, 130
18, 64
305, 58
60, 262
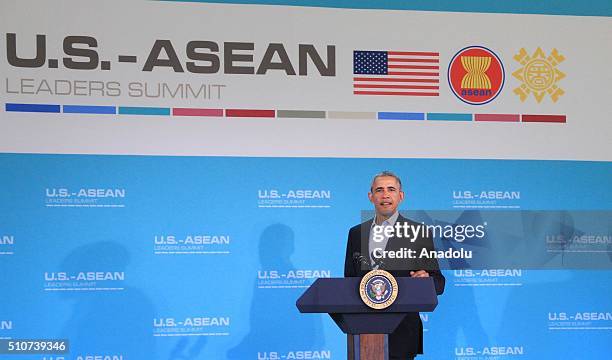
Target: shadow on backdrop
456, 323
275, 323
532, 317
107, 322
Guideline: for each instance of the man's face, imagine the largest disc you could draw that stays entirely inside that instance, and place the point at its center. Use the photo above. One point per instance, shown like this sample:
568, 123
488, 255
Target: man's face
385, 195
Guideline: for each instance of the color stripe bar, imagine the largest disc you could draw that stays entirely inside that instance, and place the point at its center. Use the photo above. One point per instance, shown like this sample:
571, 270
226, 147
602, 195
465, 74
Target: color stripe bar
497, 117
306, 114
449, 117
138, 110
352, 115
249, 113
88, 109
197, 112
561, 7
39, 108
400, 116
544, 118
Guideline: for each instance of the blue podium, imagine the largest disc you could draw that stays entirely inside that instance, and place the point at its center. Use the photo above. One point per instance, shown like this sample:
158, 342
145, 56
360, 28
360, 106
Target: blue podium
367, 329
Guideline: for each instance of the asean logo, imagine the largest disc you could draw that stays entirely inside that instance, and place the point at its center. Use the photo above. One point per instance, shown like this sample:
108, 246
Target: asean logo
539, 75
476, 75
378, 289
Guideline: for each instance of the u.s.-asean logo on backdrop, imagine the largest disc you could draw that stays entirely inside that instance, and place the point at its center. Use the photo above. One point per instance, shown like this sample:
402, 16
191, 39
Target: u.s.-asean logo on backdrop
476, 75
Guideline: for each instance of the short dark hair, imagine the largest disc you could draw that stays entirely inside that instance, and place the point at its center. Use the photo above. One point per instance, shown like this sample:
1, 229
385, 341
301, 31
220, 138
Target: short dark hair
386, 173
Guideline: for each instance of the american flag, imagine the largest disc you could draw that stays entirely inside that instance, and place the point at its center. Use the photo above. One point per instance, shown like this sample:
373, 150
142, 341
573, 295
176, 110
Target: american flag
407, 73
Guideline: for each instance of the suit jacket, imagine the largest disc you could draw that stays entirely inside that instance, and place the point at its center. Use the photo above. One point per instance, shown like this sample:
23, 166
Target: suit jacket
407, 339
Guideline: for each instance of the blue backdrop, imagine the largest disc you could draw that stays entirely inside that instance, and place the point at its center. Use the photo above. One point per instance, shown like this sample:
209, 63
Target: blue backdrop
121, 254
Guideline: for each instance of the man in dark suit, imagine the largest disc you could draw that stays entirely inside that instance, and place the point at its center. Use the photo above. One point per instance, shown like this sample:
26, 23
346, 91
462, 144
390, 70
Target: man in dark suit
386, 194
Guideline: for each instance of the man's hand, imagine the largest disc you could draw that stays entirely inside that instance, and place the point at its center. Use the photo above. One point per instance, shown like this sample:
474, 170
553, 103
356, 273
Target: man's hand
420, 273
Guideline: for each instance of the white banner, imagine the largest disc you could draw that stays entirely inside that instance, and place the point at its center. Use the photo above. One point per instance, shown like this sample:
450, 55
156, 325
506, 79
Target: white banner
176, 78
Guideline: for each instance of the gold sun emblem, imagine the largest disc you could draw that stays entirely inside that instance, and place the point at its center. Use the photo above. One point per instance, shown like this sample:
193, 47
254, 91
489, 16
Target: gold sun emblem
539, 75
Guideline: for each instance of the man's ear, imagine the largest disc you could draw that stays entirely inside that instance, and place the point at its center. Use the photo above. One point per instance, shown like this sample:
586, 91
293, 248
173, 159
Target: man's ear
370, 197
401, 195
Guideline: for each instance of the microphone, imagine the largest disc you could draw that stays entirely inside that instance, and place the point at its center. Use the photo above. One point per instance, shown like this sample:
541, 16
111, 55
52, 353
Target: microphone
361, 260
378, 263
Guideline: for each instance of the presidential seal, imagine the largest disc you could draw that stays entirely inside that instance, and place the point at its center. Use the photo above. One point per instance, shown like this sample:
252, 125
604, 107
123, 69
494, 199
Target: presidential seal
378, 289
